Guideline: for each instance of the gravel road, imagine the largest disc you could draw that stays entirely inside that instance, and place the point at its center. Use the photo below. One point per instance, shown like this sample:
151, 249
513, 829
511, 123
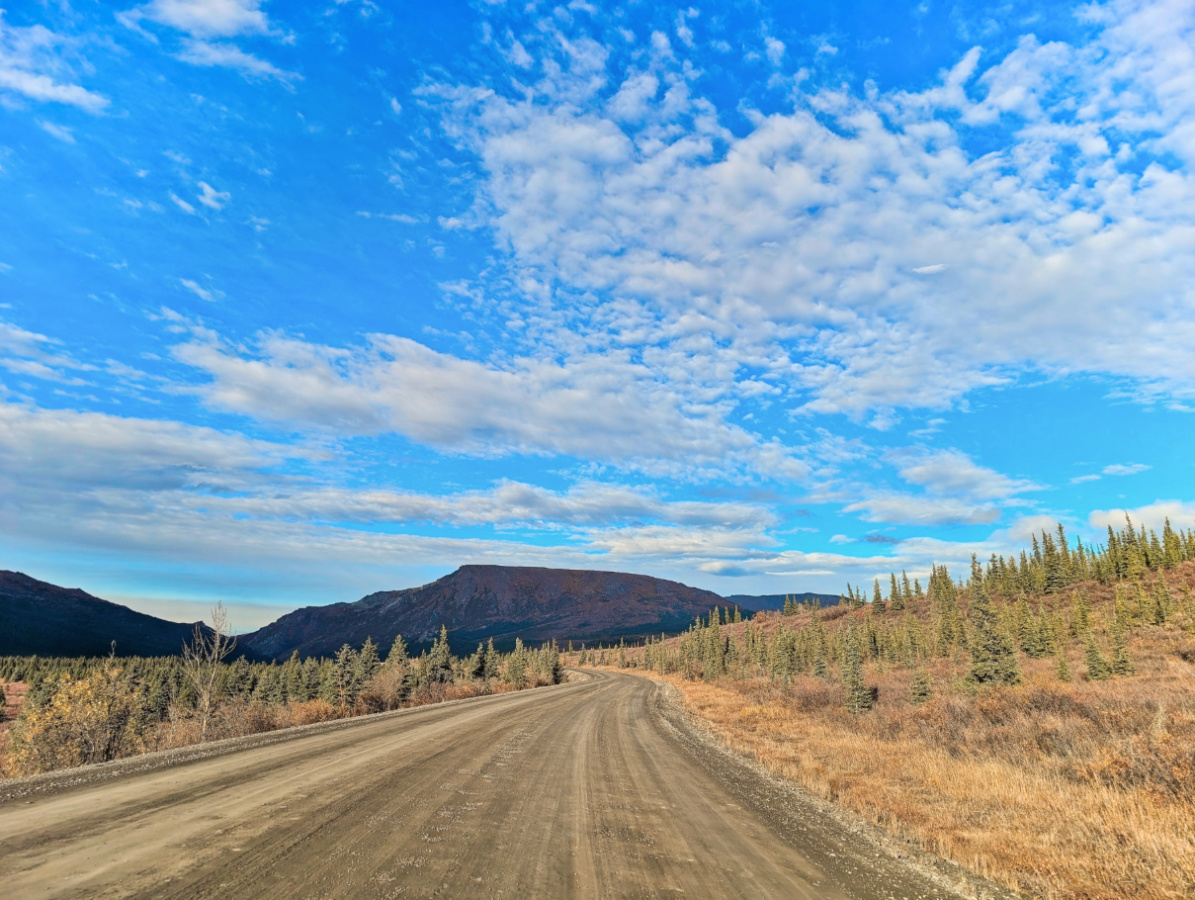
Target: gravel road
596, 788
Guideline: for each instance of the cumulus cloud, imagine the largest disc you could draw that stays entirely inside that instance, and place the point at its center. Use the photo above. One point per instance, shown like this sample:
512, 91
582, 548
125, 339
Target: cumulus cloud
182, 204
1153, 515
208, 24
33, 64
586, 504
1130, 469
59, 131
911, 509
812, 238
957, 491
208, 53
212, 198
207, 18
38, 356
604, 407
200, 291
1115, 469
172, 490
954, 473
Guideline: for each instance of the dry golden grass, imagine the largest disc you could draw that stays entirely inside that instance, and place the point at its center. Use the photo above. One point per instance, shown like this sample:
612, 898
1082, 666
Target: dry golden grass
1075, 791
1045, 824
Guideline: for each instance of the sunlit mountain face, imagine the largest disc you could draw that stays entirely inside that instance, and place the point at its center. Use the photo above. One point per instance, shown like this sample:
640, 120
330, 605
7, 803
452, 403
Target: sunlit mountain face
301, 301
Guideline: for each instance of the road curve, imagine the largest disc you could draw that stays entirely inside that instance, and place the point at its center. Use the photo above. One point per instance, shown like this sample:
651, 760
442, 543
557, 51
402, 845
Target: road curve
589, 789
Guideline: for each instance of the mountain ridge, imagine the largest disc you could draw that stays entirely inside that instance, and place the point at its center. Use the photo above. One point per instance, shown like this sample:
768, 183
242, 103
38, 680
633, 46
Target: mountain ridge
38, 618
475, 602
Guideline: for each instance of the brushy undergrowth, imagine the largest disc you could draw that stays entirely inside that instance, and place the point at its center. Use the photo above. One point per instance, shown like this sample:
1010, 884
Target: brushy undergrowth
1075, 780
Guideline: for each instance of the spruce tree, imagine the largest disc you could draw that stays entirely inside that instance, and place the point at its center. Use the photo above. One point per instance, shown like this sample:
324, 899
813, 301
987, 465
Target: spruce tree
344, 678
921, 688
1097, 666
877, 599
439, 660
858, 696
1064, 666
493, 663
1122, 663
368, 662
993, 652
516, 665
398, 652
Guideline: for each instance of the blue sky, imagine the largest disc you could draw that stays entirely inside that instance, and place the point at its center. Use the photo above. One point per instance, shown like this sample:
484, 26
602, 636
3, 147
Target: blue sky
300, 301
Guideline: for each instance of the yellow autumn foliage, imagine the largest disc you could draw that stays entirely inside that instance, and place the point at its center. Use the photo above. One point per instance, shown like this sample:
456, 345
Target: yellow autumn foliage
85, 721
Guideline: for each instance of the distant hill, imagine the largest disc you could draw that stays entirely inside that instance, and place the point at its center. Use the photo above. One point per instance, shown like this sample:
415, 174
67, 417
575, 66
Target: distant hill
37, 618
475, 602
776, 601
502, 602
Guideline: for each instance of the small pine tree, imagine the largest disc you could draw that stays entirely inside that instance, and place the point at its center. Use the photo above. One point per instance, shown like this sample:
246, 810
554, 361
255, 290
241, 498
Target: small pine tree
493, 663
398, 652
439, 660
1097, 666
993, 651
1122, 663
1064, 666
858, 696
516, 666
1080, 615
368, 662
921, 688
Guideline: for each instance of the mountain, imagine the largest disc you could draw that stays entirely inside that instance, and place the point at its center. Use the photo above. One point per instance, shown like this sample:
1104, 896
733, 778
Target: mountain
37, 618
502, 602
776, 601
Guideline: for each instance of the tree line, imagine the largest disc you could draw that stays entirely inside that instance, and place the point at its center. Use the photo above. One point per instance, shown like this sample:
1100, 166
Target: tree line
82, 710
987, 619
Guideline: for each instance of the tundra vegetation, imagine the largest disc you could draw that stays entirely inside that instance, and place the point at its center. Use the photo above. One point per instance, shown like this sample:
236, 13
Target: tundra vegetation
85, 710
1035, 722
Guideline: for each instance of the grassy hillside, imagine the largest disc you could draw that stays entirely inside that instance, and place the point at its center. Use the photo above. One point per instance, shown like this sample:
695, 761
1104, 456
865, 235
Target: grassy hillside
1035, 723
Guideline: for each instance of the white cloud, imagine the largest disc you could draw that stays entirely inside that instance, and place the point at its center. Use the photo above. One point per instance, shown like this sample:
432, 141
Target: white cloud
587, 505
908, 509
63, 451
1130, 469
62, 133
841, 539
810, 240
957, 491
774, 49
182, 204
206, 18
208, 53
205, 22
395, 106
35, 355
212, 198
33, 64
200, 291
605, 407
392, 217
1083, 479
1153, 515
953, 473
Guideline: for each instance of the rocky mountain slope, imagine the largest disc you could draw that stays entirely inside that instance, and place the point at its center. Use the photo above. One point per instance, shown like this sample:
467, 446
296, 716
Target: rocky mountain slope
502, 602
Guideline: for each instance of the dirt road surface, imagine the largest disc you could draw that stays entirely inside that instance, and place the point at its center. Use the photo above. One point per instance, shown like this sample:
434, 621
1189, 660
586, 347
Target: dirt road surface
595, 788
